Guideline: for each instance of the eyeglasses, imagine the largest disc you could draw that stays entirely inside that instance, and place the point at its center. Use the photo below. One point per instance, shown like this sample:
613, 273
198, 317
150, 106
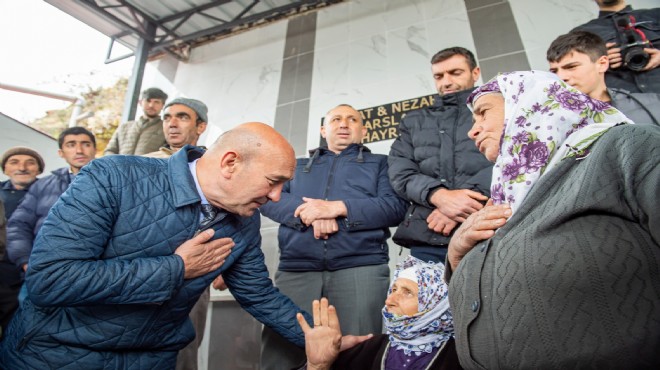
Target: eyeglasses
183, 117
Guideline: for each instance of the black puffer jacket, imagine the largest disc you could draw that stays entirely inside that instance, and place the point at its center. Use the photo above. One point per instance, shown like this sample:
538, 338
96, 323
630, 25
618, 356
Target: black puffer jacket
648, 22
641, 108
433, 150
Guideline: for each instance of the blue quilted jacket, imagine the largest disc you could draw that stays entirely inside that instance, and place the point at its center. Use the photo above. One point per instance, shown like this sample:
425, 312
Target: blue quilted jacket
106, 290
30, 214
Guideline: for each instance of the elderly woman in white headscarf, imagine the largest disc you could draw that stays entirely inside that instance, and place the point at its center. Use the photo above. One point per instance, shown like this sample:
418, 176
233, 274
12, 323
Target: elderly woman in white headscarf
562, 268
417, 318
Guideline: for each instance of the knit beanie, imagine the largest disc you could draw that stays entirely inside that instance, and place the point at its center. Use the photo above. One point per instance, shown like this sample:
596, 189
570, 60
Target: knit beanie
196, 105
18, 150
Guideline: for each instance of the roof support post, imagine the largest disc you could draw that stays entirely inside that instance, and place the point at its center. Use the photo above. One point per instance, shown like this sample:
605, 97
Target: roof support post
135, 81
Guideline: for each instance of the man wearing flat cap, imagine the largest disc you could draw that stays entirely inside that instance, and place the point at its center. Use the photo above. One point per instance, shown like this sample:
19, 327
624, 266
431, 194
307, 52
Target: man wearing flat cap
184, 121
143, 135
21, 165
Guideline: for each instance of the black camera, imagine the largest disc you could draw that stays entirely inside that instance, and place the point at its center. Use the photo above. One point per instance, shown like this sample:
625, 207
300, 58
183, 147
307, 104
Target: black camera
632, 42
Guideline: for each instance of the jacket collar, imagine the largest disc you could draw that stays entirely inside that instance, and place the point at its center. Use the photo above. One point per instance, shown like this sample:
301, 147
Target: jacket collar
183, 187
603, 14
7, 185
63, 171
353, 148
146, 121
454, 99
63, 174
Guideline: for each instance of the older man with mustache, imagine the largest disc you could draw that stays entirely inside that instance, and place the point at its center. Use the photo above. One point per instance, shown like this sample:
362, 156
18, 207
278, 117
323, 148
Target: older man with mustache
21, 165
184, 121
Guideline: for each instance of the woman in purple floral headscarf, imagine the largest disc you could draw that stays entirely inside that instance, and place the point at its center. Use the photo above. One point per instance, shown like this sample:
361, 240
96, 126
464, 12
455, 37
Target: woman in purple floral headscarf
418, 321
562, 272
545, 120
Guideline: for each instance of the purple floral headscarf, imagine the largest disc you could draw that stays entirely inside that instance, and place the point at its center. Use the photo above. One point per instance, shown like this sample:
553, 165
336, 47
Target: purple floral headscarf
545, 121
433, 324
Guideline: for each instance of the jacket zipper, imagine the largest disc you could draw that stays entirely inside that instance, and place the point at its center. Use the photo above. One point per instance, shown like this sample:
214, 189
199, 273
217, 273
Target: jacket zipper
325, 197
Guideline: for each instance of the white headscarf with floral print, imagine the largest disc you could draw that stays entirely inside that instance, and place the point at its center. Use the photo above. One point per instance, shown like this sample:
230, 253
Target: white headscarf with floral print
545, 121
433, 324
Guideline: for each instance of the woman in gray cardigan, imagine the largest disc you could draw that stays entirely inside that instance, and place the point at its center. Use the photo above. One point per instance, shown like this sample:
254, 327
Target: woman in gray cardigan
563, 271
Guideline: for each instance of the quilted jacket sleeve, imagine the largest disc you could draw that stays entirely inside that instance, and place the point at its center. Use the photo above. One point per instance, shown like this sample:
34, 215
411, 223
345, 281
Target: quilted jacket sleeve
282, 211
113, 144
384, 210
67, 266
405, 174
248, 281
20, 228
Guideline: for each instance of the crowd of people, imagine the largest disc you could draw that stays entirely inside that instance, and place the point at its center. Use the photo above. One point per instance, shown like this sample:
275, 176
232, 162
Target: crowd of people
529, 205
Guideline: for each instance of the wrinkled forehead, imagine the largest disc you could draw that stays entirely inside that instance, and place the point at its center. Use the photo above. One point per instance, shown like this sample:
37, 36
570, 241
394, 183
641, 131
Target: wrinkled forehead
179, 108
403, 282
21, 157
487, 100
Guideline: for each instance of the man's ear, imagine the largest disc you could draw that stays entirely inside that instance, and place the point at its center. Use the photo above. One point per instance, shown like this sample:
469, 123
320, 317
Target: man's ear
60, 153
476, 72
603, 63
229, 163
201, 127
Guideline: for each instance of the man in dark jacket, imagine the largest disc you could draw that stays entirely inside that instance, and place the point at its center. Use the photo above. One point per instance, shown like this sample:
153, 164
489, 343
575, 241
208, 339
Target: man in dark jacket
21, 165
434, 165
130, 246
334, 224
618, 23
77, 147
579, 58
3, 245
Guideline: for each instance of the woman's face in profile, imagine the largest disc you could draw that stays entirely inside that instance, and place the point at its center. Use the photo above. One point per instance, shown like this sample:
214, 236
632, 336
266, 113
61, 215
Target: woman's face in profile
403, 300
488, 124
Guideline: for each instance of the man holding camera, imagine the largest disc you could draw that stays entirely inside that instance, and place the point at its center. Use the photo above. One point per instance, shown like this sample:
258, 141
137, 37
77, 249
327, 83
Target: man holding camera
579, 58
632, 38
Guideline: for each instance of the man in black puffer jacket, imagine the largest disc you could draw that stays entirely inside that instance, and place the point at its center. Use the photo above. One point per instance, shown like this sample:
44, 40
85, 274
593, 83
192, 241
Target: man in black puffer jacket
434, 165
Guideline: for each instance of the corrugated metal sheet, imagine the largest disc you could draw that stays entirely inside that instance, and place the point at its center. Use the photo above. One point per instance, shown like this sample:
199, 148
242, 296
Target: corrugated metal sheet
176, 26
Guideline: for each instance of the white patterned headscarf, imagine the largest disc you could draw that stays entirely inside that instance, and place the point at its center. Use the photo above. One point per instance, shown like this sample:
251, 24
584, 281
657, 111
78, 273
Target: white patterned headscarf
432, 325
545, 121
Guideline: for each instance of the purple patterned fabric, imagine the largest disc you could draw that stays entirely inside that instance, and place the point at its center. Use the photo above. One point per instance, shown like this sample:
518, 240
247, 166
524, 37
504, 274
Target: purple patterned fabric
545, 121
398, 360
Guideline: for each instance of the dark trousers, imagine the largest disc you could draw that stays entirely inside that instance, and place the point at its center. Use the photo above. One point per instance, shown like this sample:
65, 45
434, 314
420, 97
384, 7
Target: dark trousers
8, 302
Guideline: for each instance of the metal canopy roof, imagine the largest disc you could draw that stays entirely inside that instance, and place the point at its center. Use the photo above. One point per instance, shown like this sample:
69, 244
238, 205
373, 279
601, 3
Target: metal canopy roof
176, 26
